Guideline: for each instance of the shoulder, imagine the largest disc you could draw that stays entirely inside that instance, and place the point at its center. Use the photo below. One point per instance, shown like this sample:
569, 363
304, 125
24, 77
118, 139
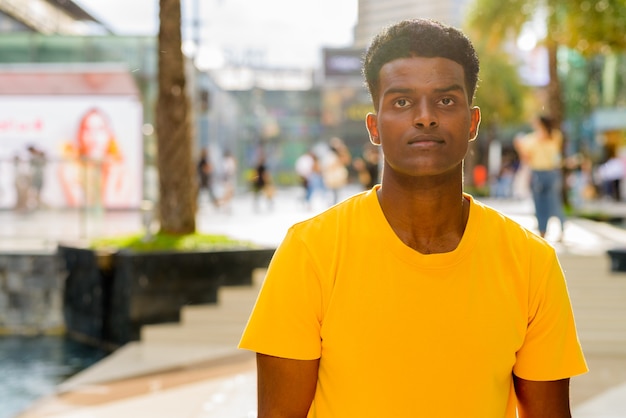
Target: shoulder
530, 262
313, 247
345, 214
508, 232
528, 138
524, 142
332, 229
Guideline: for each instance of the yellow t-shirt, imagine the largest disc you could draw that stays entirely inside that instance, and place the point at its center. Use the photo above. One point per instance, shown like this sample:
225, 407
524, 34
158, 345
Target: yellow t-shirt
402, 334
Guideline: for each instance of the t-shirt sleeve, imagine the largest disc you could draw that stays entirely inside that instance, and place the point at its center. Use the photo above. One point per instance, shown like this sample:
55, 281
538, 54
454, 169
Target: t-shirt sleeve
286, 318
551, 349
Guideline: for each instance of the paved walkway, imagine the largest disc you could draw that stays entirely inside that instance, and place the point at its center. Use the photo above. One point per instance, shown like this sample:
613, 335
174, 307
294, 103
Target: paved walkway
177, 371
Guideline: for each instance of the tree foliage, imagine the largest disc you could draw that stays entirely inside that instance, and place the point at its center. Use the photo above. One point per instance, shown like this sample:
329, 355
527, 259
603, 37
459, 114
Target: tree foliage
595, 27
177, 181
588, 26
501, 95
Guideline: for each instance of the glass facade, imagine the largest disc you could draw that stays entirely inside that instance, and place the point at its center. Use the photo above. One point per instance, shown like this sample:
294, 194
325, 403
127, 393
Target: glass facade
137, 53
8, 24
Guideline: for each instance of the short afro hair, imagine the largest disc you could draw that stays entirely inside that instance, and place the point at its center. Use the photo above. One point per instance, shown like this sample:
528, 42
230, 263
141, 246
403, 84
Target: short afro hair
420, 38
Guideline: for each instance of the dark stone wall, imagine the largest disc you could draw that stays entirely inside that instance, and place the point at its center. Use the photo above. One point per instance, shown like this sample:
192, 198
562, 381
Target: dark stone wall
104, 299
618, 259
108, 299
86, 293
31, 299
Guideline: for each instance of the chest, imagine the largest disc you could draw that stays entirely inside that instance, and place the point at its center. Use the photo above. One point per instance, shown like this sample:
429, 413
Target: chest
468, 314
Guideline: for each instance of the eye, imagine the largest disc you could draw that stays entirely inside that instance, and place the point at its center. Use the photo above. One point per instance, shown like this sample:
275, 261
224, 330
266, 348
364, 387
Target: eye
447, 101
401, 103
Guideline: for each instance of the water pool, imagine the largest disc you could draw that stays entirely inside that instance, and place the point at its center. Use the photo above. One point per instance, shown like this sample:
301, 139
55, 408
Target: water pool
32, 367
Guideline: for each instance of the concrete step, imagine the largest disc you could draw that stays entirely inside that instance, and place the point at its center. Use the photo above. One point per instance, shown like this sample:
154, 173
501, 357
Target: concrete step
209, 315
225, 333
234, 304
602, 345
138, 358
238, 293
220, 323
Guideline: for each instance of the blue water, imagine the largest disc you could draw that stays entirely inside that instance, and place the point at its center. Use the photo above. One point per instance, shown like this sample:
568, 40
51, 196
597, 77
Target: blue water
32, 367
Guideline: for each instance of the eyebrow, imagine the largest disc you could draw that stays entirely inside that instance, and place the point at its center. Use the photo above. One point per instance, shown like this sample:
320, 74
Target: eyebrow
449, 88
406, 90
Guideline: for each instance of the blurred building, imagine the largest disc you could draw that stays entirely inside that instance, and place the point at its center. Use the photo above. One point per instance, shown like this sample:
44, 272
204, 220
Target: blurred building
60, 17
344, 99
85, 122
374, 14
50, 40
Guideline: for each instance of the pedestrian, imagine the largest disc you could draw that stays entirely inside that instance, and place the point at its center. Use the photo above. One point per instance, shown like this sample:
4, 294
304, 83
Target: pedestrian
229, 175
502, 186
581, 179
367, 167
610, 174
521, 180
335, 167
22, 181
37, 167
308, 169
413, 298
540, 150
262, 183
205, 177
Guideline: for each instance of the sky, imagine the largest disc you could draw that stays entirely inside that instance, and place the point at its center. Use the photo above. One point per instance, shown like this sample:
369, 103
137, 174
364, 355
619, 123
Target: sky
270, 32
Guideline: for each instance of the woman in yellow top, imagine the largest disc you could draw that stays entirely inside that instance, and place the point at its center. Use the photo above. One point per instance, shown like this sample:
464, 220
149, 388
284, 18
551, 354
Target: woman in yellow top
540, 150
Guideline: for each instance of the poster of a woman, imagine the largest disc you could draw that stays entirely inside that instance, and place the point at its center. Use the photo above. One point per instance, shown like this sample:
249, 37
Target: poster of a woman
92, 172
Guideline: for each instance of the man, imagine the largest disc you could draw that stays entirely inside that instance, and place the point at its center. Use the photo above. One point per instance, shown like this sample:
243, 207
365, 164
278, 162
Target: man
413, 299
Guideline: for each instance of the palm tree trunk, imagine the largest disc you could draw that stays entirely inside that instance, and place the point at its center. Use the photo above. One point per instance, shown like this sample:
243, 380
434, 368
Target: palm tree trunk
555, 103
177, 180
555, 97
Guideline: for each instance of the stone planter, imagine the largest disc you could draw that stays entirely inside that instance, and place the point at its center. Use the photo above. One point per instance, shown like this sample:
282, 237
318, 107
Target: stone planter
618, 259
109, 297
86, 293
30, 293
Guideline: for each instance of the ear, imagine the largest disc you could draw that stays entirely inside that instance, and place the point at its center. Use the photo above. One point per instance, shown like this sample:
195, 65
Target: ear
475, 123
371, 122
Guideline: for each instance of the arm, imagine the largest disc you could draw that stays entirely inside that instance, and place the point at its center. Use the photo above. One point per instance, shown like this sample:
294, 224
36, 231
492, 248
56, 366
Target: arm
285, 387
522, 152
548, 399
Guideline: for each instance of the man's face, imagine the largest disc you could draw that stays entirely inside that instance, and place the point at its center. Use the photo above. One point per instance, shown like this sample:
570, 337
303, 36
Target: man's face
424, 121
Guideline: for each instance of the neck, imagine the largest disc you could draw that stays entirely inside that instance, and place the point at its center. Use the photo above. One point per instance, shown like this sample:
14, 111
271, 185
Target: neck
427, 222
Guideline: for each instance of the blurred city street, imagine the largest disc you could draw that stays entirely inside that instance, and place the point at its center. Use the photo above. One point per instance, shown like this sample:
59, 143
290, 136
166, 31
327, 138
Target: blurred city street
87, 119
178, 381
266, 224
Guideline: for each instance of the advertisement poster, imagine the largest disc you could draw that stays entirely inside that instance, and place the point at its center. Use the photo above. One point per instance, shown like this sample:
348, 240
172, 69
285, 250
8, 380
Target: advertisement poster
70, 152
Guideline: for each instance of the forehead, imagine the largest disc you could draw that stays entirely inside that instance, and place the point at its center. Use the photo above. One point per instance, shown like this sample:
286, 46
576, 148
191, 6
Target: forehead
421, 72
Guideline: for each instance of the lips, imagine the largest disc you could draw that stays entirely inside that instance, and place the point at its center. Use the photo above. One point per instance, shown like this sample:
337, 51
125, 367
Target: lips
425, 139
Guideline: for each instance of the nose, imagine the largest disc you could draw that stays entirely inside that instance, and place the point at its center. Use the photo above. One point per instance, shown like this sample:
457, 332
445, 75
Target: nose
424, 116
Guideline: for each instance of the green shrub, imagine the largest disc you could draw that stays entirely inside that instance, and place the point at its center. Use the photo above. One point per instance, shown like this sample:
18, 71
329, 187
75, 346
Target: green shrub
168, 242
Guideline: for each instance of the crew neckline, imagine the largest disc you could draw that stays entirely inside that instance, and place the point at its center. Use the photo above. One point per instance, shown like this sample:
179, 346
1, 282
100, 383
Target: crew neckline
394, 245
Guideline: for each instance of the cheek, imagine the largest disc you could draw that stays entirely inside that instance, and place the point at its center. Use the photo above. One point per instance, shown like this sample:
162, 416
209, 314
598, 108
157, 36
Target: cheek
389, 127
